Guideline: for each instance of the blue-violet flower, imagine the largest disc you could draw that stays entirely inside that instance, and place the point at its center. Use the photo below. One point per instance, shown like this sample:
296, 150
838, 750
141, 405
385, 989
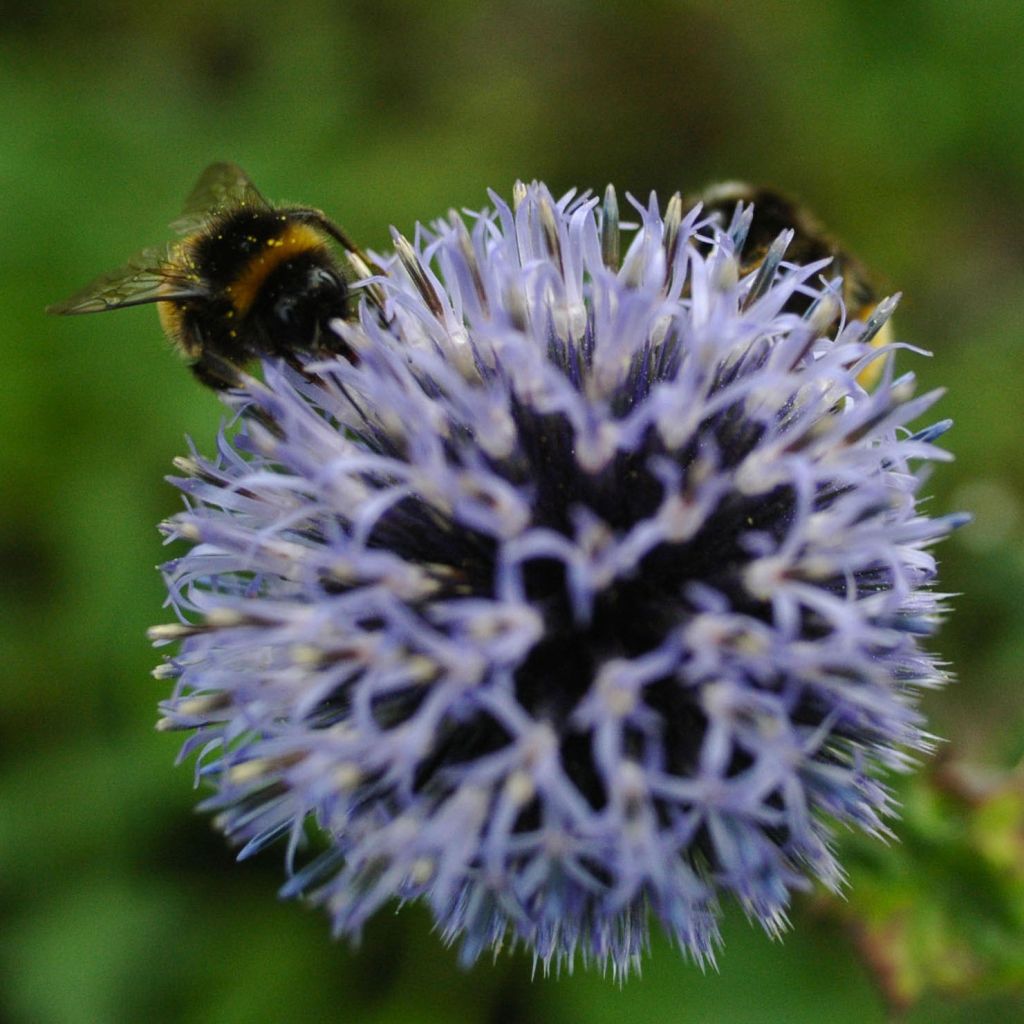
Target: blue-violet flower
592, 590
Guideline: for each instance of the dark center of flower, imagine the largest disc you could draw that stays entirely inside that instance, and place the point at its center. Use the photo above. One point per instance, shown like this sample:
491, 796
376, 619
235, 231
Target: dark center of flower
628, 618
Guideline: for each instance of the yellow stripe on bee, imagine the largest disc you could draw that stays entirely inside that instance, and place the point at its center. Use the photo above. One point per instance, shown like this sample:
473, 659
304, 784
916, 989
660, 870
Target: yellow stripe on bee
179, 267
297, 238
868, 377
170, 321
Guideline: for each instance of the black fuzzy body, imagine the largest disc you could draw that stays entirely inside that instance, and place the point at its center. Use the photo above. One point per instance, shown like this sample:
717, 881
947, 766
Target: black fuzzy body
271, 286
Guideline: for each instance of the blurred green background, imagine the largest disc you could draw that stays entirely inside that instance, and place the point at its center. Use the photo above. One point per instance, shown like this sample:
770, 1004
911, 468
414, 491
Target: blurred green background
900, 124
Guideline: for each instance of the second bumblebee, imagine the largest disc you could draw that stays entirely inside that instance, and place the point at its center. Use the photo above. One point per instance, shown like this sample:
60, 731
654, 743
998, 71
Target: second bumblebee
774, 213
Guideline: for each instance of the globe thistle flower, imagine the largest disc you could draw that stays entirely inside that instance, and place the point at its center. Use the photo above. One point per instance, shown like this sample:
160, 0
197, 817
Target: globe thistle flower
592, 591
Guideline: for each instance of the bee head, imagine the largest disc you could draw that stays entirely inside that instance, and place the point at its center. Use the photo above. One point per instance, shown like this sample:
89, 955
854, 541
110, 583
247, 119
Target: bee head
297, 302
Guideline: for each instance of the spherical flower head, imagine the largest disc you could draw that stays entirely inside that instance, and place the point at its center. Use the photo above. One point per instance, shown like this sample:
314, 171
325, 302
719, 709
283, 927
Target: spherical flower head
592, 590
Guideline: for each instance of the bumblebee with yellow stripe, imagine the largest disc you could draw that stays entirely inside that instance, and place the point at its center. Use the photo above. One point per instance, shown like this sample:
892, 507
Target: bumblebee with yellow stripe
248, 279
774, 213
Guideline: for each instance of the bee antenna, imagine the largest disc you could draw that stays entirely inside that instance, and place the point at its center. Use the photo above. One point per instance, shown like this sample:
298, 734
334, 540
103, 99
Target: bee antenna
332, 229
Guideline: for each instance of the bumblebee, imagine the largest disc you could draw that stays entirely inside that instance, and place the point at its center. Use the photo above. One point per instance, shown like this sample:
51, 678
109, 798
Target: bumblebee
247, 279
775, 213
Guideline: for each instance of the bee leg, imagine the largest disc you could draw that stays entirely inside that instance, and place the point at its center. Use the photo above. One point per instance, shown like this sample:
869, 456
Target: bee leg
296, 364
215, 372
328, 342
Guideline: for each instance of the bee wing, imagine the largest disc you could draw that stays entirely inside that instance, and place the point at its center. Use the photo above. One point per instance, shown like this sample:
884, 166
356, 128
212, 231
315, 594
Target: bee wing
221, 186
147, 277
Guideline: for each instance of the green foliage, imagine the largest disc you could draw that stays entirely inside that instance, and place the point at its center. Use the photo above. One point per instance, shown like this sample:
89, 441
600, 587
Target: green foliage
943, 911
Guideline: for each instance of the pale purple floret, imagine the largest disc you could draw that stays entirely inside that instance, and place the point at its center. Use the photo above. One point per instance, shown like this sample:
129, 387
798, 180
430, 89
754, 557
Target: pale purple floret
593, 591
